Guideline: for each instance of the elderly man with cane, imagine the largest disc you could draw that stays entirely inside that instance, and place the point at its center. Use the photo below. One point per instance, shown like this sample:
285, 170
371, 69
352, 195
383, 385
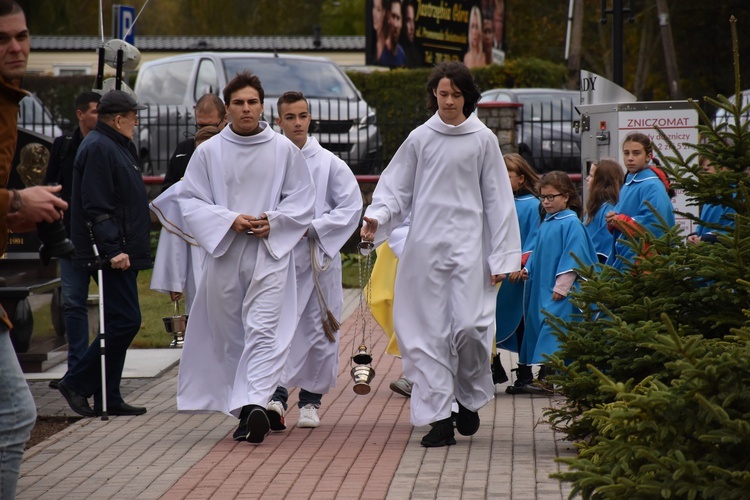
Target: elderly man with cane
109, 202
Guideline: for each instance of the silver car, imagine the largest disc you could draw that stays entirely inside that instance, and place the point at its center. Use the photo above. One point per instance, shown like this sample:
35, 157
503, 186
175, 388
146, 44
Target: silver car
33, 116
546, 139
343, 123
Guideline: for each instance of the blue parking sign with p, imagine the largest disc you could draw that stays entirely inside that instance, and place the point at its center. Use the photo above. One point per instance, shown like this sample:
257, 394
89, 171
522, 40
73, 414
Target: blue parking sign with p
124, 18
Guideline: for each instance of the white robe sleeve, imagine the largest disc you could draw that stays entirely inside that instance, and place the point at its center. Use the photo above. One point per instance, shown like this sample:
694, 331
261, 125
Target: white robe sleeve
336, 225
290, 218
500, 214
209, 223
392, 198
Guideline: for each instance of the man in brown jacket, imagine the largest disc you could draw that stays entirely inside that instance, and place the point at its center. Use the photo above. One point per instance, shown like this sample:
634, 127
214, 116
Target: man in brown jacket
19, 211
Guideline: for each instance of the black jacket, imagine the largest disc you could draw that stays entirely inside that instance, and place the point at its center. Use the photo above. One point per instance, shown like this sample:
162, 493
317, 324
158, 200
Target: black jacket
60, 168
178, 163
108, 190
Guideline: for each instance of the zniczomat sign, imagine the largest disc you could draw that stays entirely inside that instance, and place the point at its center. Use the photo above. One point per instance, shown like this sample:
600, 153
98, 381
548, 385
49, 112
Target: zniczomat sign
680, 126
415, 33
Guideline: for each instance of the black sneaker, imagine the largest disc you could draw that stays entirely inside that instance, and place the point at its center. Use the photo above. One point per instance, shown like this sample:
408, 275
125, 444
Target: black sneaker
441, 434
467, 421
258, 425
254, 425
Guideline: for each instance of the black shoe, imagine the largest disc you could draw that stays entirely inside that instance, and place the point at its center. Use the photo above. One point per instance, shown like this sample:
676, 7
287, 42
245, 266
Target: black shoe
54, 384
524, 377
441, 434
122, 410
467, 422
499, 376
77, 403
254, 425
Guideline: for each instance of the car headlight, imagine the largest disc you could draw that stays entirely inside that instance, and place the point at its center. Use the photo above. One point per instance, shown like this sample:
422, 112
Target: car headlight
368, 120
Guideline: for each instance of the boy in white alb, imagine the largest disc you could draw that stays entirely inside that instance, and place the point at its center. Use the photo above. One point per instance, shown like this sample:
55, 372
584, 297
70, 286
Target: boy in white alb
314, 356
450, 178
247, 198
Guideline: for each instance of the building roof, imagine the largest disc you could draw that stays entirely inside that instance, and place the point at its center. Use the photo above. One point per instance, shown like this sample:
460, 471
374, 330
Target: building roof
214, 43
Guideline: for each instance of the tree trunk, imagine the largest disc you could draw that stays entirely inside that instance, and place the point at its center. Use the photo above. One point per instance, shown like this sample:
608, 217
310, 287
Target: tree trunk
574, 59
670, 59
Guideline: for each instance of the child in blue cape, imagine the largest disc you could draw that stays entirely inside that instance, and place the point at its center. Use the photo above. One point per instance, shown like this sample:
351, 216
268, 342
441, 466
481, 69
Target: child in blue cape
712, 214
603, 182
550, 271
510, 296
632, 215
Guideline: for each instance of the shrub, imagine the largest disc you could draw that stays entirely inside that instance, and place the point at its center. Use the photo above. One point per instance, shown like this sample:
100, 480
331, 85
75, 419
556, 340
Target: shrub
656, 375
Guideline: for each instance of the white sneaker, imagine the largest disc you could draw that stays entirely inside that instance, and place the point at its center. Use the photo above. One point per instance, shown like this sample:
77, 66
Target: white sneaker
276, 413
308, 416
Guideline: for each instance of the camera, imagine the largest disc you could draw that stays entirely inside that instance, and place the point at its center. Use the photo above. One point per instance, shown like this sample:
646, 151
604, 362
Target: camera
54, 239
55, 242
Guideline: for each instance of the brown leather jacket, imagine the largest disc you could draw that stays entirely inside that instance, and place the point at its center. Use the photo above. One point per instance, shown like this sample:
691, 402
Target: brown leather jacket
10, 96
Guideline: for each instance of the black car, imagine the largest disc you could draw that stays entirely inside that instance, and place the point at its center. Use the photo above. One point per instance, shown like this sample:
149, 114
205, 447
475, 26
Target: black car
546, 138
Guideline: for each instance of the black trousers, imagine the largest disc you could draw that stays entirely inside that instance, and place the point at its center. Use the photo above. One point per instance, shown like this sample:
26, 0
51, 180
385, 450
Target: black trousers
122, 320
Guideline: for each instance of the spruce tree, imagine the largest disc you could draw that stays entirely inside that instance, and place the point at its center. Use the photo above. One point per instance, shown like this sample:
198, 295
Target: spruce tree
656, 374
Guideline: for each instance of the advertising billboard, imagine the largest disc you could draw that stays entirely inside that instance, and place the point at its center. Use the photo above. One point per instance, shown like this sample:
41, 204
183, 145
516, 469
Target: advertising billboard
416, 33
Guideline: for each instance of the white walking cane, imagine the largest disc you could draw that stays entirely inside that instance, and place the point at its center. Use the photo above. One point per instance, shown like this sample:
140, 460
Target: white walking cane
102, 349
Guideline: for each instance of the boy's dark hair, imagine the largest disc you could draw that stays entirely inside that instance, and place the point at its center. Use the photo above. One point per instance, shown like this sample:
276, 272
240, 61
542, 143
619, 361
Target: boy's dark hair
561, 181
290, 98
84, 99
8, 7
240, 81
461, 78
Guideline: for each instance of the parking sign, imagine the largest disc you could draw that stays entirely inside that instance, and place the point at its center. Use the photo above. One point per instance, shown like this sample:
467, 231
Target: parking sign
123, 17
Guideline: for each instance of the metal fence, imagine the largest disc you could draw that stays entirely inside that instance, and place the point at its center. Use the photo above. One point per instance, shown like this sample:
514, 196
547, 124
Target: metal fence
546, 136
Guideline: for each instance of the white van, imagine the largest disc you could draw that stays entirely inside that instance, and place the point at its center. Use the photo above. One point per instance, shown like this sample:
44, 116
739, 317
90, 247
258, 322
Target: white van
342, 122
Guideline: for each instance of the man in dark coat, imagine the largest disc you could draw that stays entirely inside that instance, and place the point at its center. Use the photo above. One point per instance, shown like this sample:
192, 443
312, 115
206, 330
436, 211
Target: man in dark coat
109, 201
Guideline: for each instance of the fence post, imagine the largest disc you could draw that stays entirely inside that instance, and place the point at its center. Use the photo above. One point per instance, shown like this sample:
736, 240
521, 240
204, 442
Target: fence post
501, 118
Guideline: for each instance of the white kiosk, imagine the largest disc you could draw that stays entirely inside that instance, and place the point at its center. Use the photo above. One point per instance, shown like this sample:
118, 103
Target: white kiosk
609, 113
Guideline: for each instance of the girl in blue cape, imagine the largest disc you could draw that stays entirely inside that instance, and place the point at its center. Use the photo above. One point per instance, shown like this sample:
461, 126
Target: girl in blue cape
604, 182
712, 214
550, 271
643, 184
510, 296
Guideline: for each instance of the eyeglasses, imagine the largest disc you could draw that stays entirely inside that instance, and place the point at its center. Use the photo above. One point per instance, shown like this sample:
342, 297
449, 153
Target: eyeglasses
131, 116
549, 197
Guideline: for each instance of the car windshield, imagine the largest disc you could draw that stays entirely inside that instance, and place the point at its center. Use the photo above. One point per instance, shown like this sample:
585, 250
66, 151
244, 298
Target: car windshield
546, 107
315, 79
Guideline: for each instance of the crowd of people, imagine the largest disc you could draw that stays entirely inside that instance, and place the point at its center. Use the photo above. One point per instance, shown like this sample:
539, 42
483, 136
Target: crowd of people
253, 224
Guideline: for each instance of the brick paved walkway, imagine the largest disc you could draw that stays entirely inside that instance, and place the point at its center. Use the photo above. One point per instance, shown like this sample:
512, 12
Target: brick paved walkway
364, 448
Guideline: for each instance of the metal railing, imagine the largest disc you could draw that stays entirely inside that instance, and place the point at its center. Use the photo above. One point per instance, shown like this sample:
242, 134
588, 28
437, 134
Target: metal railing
546, 137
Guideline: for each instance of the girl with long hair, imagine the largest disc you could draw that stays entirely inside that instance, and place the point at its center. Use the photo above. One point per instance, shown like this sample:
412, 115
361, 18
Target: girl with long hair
510, 297
633, 214
604, 182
